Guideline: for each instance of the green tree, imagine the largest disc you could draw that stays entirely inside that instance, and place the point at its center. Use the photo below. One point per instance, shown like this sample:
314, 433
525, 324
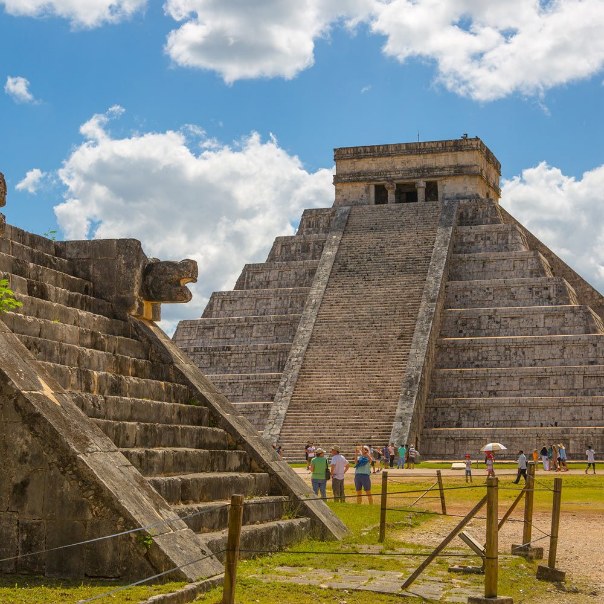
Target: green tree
8, 301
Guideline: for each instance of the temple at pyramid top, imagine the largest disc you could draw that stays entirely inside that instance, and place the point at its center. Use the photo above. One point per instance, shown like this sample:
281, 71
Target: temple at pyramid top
414, 310
410, 172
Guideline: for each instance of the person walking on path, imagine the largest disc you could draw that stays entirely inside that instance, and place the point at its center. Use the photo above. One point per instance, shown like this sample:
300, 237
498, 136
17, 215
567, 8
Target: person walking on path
591, 458
402, 453
563, 457
318, 465
521, 467
339, 467
411, 456
468, 462
362, 473
386, 456
544, 458
489, 460
392, 453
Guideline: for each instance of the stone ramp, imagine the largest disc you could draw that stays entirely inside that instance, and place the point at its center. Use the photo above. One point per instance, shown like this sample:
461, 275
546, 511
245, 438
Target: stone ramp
349, 380
108, 428
244, 337
520, 358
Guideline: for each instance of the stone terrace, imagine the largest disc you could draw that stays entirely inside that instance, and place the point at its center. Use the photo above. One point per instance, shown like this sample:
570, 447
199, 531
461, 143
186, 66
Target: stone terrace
167, 444
519, 360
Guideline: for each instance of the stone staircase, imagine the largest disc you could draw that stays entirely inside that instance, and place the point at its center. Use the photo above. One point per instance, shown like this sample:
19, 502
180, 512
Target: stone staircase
244, 337
132, 391
520, 360
349, 382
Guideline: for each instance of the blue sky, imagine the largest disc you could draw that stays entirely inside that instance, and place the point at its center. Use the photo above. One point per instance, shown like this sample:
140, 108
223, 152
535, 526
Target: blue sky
204, 127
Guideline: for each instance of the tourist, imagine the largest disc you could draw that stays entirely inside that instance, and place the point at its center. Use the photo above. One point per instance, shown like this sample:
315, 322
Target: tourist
521, 467
310, 453
535, 456
386, 456
376, 457
339, 467
411, 457
489, 460
468, 462
550, 458
544, 458
362, 473
318, 466
591, 458
392, 454
562, 457
402, 454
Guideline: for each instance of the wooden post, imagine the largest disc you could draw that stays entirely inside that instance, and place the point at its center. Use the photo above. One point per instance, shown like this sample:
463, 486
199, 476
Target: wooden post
553, 540
444, 542
527, 531
443, 505
550, 572
490, 565
232, 551
512, 508
384, 505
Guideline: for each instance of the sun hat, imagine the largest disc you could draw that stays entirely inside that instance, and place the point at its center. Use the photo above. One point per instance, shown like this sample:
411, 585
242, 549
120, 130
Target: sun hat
335, 448
319, 451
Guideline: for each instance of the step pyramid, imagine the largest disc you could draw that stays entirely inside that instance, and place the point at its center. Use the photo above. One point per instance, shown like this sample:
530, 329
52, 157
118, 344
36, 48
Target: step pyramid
107, 427
415, 310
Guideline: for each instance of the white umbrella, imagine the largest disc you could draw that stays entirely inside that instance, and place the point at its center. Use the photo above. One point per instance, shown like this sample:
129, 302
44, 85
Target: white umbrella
494, 447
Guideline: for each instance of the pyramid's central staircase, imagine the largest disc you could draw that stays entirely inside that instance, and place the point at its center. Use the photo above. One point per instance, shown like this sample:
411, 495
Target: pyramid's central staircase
108, 427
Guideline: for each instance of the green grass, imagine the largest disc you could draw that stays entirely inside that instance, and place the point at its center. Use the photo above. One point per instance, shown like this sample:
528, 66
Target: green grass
26, 589
264, 580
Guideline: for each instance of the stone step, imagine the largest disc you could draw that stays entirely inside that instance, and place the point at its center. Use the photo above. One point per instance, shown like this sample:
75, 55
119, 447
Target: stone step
195, 335
479, 212
543, 291
498, 265
40, 255
247, 387
258, 539
518, 382
63, 297
99, 382
214, 515
505, 412
37, 272
135, 435
456, 442
489, 238
520, 351
259, 358
129, 409
520, 321
65, 315
268, 275
315, 221
240, 303
72, 355
297, 247
210, 486
171, 461
76, 336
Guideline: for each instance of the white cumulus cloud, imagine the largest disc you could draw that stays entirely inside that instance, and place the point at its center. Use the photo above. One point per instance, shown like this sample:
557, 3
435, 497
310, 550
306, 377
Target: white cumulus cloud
81, 13
31, 182
243, 39
17, 88
186, 196
567, 214
488, 50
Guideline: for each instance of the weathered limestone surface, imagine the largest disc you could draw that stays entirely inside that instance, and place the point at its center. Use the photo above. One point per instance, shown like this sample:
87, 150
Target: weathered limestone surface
520, 360
493, 331
244, 337
106, 428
